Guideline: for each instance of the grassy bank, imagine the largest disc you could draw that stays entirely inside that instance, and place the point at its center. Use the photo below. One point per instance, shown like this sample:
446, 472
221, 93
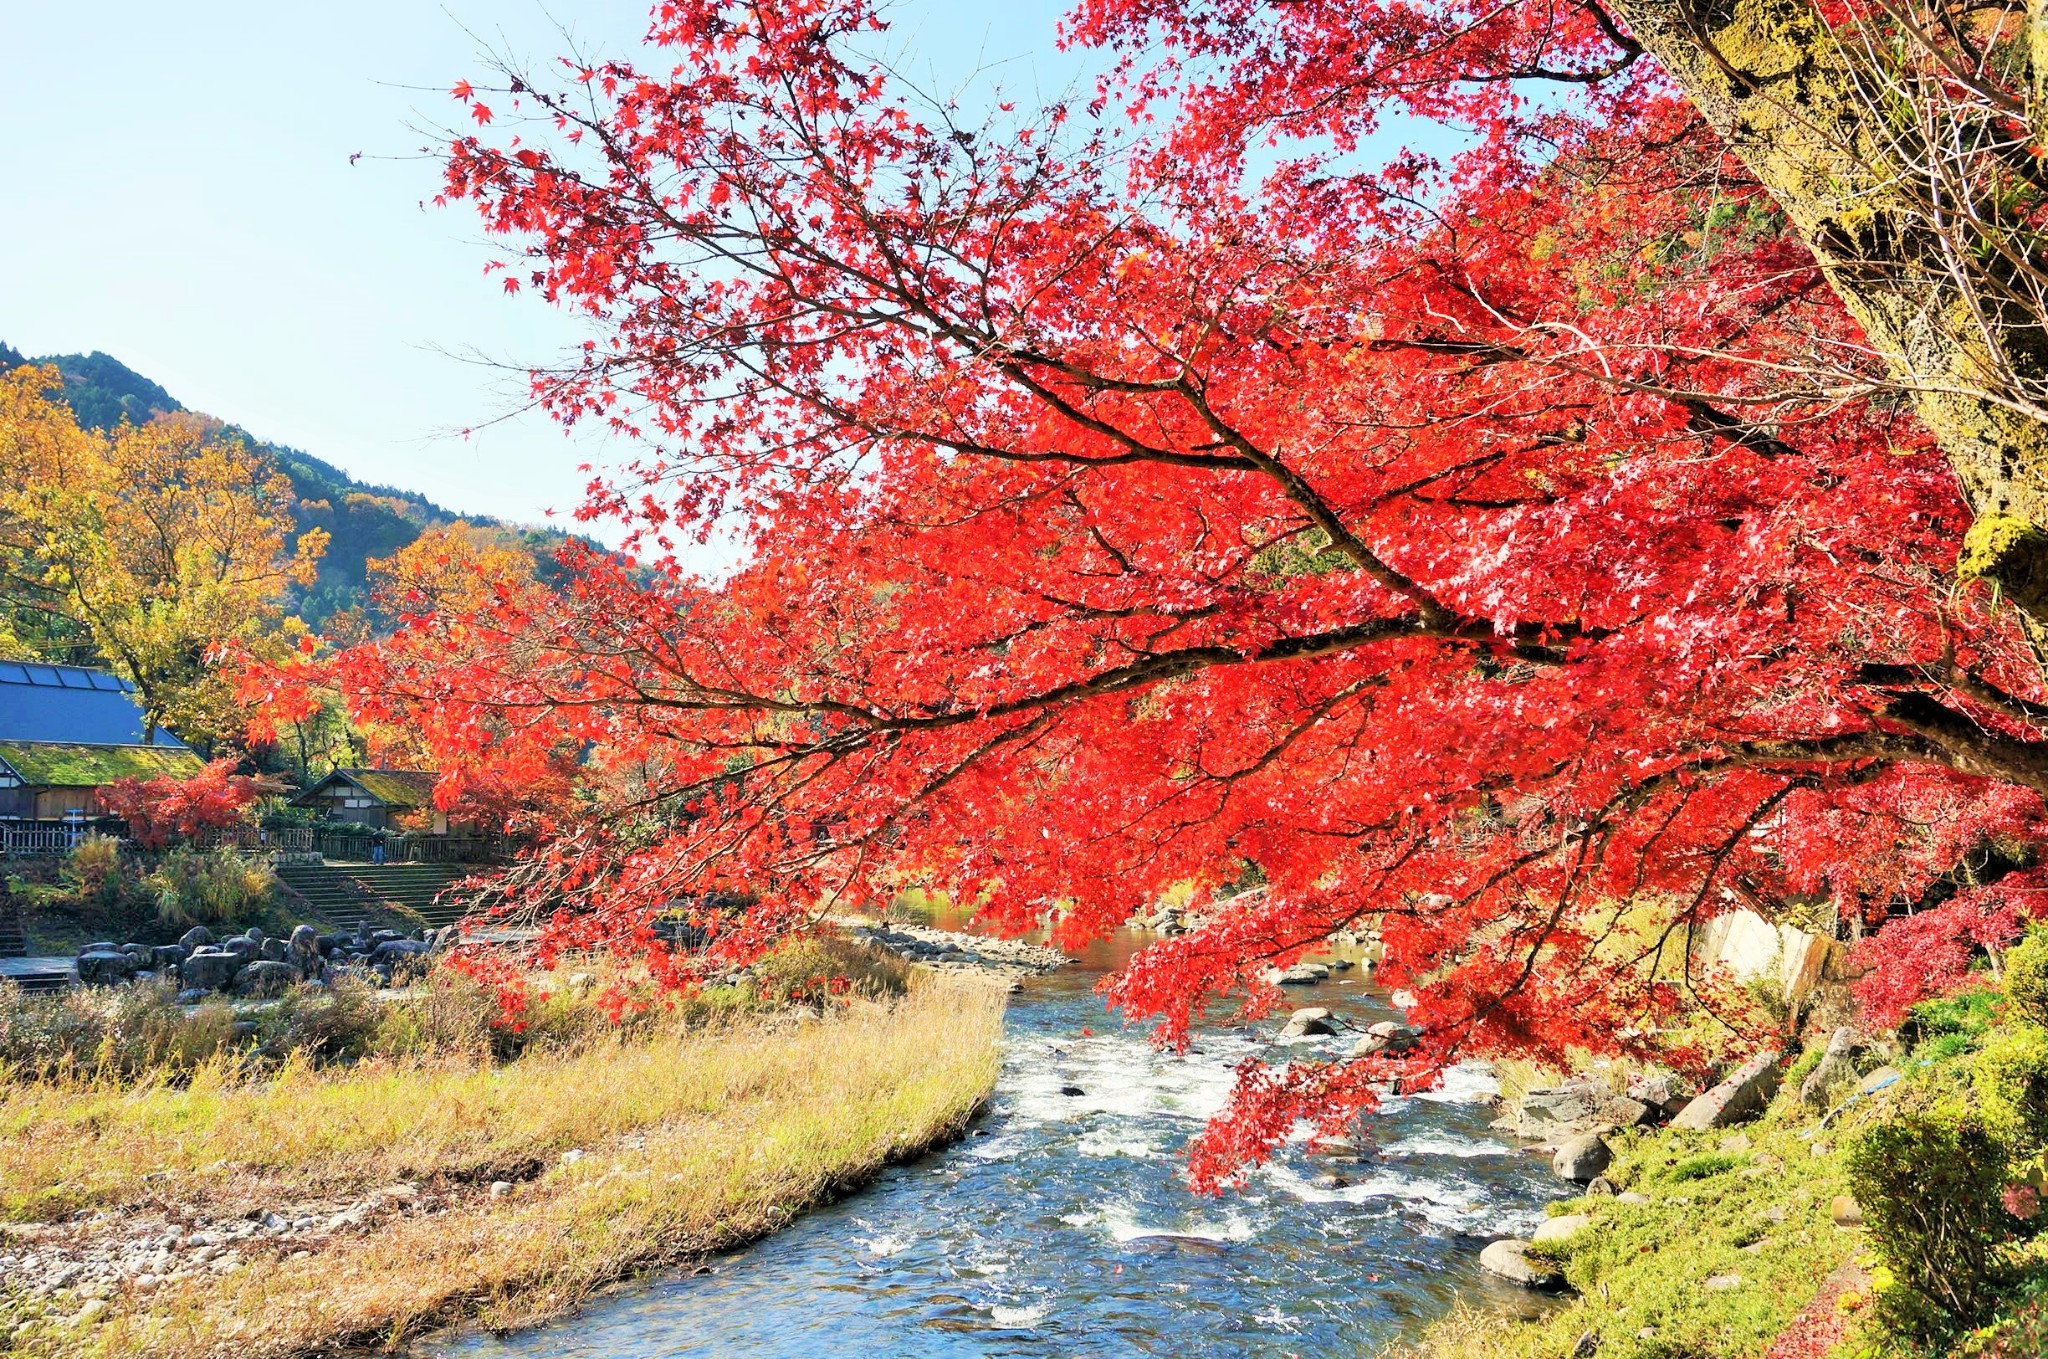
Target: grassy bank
448, 1191
1906, 1224
1729, 1249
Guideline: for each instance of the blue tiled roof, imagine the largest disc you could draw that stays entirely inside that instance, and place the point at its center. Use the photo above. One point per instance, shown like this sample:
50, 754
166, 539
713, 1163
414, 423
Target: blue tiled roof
68, 703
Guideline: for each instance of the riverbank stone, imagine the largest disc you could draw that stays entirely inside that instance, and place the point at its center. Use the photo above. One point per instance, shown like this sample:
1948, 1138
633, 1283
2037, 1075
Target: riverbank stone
105, 967
1580, 1158
266, 978
1736, 1100
209, 970
1509, 1259
1578, 1106
1561, 1228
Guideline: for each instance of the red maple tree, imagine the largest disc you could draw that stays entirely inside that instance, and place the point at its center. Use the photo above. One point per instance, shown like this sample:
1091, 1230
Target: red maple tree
163, 808
1166, 491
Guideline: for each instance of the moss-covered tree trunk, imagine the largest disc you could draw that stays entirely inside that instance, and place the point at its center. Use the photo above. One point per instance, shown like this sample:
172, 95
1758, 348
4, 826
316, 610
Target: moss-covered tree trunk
1776, 84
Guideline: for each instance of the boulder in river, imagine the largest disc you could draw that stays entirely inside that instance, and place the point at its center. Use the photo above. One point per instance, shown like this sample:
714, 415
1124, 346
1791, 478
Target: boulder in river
1386, 1037
1510, 1260
1311, 1021
1301, 974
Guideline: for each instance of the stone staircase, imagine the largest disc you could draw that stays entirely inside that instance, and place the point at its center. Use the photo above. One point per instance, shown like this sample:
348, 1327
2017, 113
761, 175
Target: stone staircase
13, 939
346, 894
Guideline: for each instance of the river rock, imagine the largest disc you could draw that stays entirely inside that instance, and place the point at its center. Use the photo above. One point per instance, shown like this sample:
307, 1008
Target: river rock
1666, 1092
1509, 1259
1312, 1021
1301, 974
266, 978
1631, 1196
1578, 1106
1878, 1080
104, 967
196, 938
209, 970
274, 950
1736, 1100
167, 956
1581, 1158
1386, 1037
1845, 1211
1560, 1228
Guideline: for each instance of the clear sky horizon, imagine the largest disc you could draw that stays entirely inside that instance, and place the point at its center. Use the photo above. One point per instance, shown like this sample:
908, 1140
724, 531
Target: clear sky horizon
181, 195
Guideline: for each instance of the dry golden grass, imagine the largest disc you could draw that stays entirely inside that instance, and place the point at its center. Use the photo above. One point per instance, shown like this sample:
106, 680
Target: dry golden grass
693, 1141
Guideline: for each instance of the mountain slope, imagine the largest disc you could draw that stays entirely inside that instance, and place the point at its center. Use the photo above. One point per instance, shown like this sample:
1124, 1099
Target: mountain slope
365, 520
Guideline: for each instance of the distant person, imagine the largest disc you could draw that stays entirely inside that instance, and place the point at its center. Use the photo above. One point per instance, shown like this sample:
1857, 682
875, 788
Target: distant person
377, 852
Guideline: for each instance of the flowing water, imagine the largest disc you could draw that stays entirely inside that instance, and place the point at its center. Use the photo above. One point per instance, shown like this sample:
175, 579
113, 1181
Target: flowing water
1059, 1226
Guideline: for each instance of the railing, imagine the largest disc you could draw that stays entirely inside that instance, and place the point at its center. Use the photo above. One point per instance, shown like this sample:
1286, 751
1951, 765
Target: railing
255, 839
24, 838
424, 849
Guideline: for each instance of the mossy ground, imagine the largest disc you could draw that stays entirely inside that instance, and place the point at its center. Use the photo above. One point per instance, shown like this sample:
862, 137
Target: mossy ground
1750, 1209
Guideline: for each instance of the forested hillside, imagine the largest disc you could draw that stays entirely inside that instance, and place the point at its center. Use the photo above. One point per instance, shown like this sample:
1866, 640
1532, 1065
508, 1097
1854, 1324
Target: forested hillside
366, 521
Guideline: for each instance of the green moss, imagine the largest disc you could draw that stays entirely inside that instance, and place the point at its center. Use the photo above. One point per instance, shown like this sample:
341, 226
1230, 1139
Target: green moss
1702, 1167
2009, 551
2026, 975
55, 765
1761, 1217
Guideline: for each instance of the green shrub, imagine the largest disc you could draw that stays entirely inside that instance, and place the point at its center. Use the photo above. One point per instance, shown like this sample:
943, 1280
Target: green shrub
337, 1022
216, 888
1971, 1013
95, 874
2011, 1082
1929, 1185
280, 814
2026, 975
1947, 1047
126, 1031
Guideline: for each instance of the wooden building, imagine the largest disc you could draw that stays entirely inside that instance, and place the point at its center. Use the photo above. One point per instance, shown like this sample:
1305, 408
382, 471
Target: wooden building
66, 732
375, 797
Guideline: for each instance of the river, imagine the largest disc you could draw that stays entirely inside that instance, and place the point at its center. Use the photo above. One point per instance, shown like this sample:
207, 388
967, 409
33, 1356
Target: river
1059, 1225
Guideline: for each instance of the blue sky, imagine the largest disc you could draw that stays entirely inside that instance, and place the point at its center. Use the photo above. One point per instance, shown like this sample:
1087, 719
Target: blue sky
179, 194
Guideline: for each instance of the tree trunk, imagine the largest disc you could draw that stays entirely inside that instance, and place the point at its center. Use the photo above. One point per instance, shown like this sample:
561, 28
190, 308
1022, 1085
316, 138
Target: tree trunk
1783, 93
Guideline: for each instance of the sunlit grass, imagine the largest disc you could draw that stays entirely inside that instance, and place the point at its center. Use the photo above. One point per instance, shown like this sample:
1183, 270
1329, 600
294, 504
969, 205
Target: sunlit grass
693, 1141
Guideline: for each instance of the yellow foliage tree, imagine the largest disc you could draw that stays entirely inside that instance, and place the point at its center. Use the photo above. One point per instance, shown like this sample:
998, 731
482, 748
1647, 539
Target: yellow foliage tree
450, 570
148, 550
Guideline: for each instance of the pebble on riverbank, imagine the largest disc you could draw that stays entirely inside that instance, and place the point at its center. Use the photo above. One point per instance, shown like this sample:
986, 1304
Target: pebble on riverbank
951, 950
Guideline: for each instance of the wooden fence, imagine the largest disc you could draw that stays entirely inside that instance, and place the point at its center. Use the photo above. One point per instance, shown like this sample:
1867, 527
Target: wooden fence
255, 839
410, 849
25, 838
